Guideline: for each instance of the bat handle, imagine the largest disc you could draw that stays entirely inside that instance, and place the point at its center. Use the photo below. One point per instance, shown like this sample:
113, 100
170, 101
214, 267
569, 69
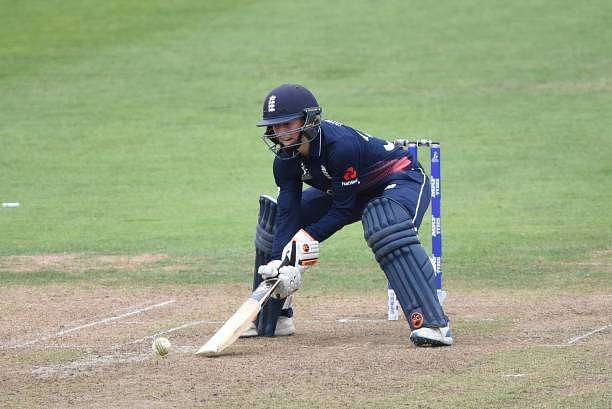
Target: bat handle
290, 258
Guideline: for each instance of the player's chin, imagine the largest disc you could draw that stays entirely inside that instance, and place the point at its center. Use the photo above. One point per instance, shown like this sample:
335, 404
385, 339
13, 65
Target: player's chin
286, 143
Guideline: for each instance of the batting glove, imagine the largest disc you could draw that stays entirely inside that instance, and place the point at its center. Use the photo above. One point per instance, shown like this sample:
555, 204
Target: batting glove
290, 279
269, 270
306, 250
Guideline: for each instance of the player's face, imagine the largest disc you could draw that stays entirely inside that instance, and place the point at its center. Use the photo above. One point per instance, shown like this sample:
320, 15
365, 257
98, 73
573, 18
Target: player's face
289, 130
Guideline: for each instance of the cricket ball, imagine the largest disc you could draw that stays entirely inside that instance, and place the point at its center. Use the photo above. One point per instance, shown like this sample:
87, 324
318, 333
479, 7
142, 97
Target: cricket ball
161, 346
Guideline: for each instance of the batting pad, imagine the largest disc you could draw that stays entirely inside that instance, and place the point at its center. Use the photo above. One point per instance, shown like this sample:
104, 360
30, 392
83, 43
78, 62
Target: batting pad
391, 235
264, 236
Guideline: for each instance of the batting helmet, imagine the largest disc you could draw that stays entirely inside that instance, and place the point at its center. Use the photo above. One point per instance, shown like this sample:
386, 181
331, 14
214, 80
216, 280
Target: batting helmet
286, 103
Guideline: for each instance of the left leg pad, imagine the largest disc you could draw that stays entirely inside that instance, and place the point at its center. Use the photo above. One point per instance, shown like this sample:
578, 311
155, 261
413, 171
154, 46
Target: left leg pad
264, 235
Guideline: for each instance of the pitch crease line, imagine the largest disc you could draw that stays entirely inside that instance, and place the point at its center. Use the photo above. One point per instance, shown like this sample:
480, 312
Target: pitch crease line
168, 331
91, 324
588, 334
203, 322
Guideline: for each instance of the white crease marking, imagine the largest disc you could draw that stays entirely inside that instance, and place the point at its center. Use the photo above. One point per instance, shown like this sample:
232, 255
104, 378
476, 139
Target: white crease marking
86, 365
556, 345
70, 346
90, 363
91, 324
588, 334
185, 349
349, 320
168, 331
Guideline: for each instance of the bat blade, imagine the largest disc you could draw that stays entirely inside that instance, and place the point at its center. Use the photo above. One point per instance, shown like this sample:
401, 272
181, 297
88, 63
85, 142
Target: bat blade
240, 321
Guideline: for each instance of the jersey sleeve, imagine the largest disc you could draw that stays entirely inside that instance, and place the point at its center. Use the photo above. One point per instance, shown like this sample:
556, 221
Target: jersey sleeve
344, 169
289, 200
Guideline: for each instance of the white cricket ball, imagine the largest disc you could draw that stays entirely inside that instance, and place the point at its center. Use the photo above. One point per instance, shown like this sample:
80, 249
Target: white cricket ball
161, 346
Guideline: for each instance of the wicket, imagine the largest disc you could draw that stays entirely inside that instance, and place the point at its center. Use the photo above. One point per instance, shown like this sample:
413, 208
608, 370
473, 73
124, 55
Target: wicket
436, 218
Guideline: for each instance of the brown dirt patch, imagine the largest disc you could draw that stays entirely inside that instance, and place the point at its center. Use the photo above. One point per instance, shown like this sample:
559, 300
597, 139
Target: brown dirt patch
77, 262
328, 363
597, 260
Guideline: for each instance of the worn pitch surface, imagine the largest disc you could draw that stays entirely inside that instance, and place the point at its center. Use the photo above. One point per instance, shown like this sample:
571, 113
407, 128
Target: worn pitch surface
91, 347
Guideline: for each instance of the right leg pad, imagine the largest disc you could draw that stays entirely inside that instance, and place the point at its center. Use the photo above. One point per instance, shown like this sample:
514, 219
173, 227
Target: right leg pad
391, 235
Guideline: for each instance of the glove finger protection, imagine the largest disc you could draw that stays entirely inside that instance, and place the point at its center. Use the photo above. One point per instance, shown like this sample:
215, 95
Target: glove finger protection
290, 279
269, 270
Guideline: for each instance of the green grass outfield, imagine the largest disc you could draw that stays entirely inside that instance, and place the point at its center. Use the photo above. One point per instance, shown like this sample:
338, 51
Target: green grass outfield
128, 127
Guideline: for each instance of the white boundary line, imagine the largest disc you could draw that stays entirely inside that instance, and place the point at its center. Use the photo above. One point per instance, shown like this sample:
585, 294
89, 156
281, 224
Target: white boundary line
588, 334
91, 324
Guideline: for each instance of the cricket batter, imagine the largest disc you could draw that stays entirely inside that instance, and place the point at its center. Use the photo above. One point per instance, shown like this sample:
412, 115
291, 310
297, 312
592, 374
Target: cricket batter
352, 176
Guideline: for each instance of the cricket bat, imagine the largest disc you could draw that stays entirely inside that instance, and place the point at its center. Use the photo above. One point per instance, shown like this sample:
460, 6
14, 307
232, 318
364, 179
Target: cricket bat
240, 321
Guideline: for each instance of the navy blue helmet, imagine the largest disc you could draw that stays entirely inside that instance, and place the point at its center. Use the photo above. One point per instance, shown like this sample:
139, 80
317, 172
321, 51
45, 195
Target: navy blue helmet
286, 103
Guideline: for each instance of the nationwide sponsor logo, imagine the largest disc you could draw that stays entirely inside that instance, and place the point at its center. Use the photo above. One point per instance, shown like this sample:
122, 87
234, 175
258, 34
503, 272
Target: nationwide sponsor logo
350, 182
435, 187
417, 319
350, 177
272, 103
436, 227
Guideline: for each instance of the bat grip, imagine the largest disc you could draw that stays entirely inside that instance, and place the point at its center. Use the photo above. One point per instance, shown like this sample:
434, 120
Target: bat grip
288, 261
290, 258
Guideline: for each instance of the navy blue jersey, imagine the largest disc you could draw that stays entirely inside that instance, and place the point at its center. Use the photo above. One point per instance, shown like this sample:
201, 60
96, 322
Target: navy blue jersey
345, 163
